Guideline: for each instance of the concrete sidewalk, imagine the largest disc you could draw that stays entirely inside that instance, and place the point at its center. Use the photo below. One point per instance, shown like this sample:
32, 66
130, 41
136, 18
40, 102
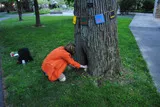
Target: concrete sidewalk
1, 86
7, 16
146, 30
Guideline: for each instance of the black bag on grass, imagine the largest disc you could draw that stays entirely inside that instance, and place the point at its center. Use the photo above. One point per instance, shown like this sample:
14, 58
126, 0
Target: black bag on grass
24, 54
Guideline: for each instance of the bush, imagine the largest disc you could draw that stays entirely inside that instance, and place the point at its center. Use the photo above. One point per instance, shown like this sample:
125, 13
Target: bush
136, 6
58, 10
44, 11
126, 6
148, 5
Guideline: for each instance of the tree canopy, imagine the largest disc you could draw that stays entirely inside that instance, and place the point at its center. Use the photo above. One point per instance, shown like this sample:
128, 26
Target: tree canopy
69, 1
43, 2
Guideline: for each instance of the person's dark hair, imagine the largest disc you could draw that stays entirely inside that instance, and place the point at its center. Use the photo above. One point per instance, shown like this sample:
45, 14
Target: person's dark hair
70, 48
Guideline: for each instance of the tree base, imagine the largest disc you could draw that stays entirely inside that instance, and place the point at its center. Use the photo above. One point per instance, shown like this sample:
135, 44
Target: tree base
39, 25
21, 20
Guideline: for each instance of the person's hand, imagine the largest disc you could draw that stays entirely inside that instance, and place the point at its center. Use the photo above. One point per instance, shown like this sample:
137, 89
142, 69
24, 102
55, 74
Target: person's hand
84, 66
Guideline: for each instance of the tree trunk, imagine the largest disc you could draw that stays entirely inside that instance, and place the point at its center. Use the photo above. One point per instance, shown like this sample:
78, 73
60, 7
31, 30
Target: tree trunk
38, 23
97, 44
157, 9
19, 9
7, 7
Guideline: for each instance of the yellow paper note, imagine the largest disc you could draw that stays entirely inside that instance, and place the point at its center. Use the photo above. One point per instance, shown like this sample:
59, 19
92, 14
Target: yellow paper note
74, 19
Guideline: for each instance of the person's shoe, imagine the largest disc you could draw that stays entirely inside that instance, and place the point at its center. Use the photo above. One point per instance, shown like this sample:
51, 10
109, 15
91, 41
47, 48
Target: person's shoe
62, 78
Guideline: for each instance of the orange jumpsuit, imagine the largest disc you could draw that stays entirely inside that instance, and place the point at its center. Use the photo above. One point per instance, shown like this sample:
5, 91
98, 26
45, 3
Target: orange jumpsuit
56, 61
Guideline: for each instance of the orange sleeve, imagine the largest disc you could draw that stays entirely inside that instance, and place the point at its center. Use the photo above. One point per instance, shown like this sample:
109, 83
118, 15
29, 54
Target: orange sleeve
70, 60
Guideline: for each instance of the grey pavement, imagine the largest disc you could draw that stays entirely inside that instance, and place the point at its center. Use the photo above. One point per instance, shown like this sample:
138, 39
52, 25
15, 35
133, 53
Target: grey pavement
1, 87
146, 30
7, 16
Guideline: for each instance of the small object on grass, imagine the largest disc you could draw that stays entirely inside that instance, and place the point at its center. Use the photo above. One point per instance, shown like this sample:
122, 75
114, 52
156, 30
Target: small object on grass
14, 54
85, 69
23, 62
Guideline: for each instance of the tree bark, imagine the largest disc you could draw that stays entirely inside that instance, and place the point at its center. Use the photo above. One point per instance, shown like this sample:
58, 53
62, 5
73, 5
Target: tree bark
157, 9
7, 6
19, 9
97, 44
38, 22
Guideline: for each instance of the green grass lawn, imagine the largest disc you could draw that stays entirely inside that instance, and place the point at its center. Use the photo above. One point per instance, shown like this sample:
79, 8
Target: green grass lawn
27, 86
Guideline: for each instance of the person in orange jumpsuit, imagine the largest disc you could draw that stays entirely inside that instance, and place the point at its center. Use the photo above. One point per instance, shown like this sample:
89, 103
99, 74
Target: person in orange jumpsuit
57, 60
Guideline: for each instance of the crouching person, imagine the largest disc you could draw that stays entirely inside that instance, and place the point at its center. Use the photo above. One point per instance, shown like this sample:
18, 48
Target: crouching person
57, 60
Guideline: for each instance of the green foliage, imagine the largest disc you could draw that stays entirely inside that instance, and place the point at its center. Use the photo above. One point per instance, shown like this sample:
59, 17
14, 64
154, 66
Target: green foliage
136, 5
57, 10
126, 5
69, 2
60, 2
148, 5
44, 11
28, 87
43, 2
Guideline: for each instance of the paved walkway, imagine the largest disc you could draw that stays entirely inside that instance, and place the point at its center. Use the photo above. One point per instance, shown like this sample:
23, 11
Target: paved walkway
7, 16
1, 87
146, 30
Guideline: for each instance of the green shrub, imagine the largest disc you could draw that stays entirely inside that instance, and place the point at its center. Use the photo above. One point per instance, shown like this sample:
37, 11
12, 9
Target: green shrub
136, 6
126, 6
148, 5
42, 2
57, 9
44, 11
